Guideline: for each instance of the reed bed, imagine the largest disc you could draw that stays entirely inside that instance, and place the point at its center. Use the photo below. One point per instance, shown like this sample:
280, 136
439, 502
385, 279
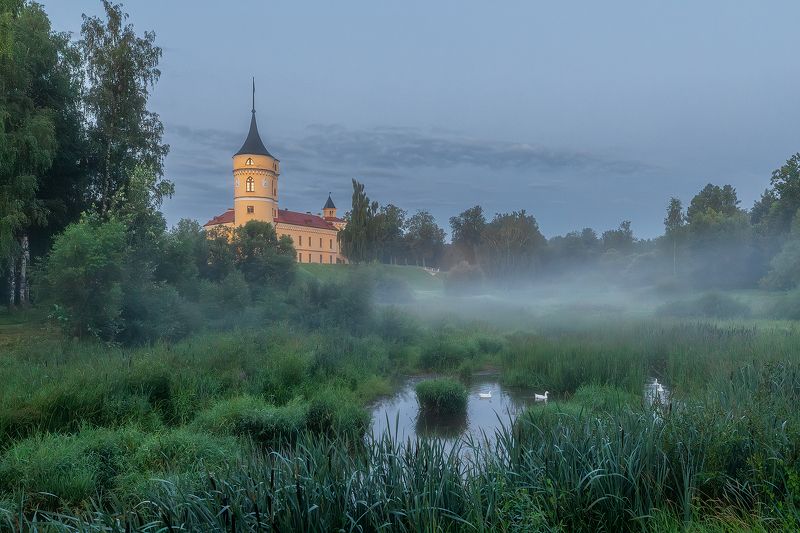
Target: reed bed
263, 431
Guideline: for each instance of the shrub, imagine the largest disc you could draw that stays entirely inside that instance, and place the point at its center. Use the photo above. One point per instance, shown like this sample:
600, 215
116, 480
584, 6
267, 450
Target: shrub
252, 416
71, 468
331, 411
83, 274
441, 395
154, 311
397, 326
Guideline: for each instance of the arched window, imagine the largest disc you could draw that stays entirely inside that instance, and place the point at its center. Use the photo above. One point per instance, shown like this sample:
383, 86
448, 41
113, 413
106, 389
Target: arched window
251, 184
249, 162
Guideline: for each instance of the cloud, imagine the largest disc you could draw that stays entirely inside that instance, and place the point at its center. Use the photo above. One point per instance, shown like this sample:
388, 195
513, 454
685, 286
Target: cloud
388, 151
434, 169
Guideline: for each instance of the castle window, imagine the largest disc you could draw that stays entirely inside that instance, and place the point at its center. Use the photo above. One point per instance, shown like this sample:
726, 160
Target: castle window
330, 259
249, 162
320, 258
251, 184
320, 243
250, 209
331, 244
301, 240
300, 255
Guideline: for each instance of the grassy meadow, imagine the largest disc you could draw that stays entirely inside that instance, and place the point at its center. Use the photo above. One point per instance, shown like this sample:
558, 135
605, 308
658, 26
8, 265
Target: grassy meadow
265, 425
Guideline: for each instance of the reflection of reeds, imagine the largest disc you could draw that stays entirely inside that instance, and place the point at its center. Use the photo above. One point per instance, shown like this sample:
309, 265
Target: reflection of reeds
443, 425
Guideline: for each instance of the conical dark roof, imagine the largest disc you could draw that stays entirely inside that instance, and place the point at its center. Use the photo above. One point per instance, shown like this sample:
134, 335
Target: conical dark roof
329, 203
253, 145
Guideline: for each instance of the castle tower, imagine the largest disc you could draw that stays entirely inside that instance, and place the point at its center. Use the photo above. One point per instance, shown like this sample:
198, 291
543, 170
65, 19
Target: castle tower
329, 211
255, 177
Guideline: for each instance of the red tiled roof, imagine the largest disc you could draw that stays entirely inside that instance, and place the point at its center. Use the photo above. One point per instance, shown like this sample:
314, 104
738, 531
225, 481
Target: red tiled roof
334, 219
302, 219
225, 218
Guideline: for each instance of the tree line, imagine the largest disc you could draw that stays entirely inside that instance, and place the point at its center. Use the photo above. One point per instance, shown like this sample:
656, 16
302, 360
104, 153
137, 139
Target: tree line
711, 243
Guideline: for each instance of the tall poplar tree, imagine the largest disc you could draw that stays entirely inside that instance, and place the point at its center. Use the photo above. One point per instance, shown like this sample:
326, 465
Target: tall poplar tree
358, 236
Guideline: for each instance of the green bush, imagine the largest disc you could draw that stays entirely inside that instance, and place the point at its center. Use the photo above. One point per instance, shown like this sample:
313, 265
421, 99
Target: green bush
396, 326
335, 411
441, 395
155, 311
83, 275
253, 417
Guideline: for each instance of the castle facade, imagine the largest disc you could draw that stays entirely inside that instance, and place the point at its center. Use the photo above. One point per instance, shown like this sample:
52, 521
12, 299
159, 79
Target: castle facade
255, 197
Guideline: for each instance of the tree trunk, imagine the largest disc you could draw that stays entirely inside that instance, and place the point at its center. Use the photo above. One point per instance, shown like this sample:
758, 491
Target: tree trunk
24, 288
12, 281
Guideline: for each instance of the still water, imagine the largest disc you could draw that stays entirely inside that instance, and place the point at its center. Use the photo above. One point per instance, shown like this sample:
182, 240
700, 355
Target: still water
400, 416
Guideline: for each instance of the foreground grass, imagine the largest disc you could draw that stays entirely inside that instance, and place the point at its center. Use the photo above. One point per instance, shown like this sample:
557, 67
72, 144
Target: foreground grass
726, 462
262, 428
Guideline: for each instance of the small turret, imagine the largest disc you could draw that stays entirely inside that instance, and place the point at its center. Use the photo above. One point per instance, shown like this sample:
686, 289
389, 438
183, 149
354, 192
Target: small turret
329, 210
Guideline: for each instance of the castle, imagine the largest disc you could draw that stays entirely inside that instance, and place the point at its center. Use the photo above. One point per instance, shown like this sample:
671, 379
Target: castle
255, 197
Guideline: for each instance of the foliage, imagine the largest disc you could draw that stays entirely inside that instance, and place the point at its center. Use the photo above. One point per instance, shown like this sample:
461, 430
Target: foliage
784, 270
722, 200
784, 199
511, 245
253, 417
357, 239
121, 69
620, 240
467, 232
84, 277
261, 256
441, 395
425, 239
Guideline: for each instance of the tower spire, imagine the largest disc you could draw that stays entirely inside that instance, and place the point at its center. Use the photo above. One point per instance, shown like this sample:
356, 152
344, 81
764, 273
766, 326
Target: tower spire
254, 95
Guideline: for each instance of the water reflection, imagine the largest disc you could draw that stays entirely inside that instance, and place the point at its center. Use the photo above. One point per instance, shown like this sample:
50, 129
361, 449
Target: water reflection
400, 414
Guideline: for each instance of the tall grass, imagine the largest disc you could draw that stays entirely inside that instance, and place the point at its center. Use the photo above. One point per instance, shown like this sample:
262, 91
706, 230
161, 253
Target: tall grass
629, 469
263, 429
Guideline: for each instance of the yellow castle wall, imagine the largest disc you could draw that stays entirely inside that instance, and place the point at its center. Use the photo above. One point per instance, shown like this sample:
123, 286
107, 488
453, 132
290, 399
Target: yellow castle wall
313, 245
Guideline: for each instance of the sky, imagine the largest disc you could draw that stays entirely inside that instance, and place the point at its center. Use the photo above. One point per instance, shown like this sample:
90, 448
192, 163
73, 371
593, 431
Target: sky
583, 114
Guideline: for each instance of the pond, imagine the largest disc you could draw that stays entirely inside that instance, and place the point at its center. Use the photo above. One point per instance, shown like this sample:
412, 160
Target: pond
400, 416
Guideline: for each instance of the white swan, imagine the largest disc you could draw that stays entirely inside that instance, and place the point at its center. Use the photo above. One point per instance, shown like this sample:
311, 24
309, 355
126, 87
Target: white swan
541, 397
657, 385
485, 395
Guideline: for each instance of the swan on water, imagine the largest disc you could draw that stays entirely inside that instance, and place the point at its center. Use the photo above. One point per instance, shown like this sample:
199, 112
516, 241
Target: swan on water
485, 395
541, 397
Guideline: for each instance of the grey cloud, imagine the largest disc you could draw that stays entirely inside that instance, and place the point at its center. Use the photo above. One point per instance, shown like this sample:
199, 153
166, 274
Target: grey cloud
386, 151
